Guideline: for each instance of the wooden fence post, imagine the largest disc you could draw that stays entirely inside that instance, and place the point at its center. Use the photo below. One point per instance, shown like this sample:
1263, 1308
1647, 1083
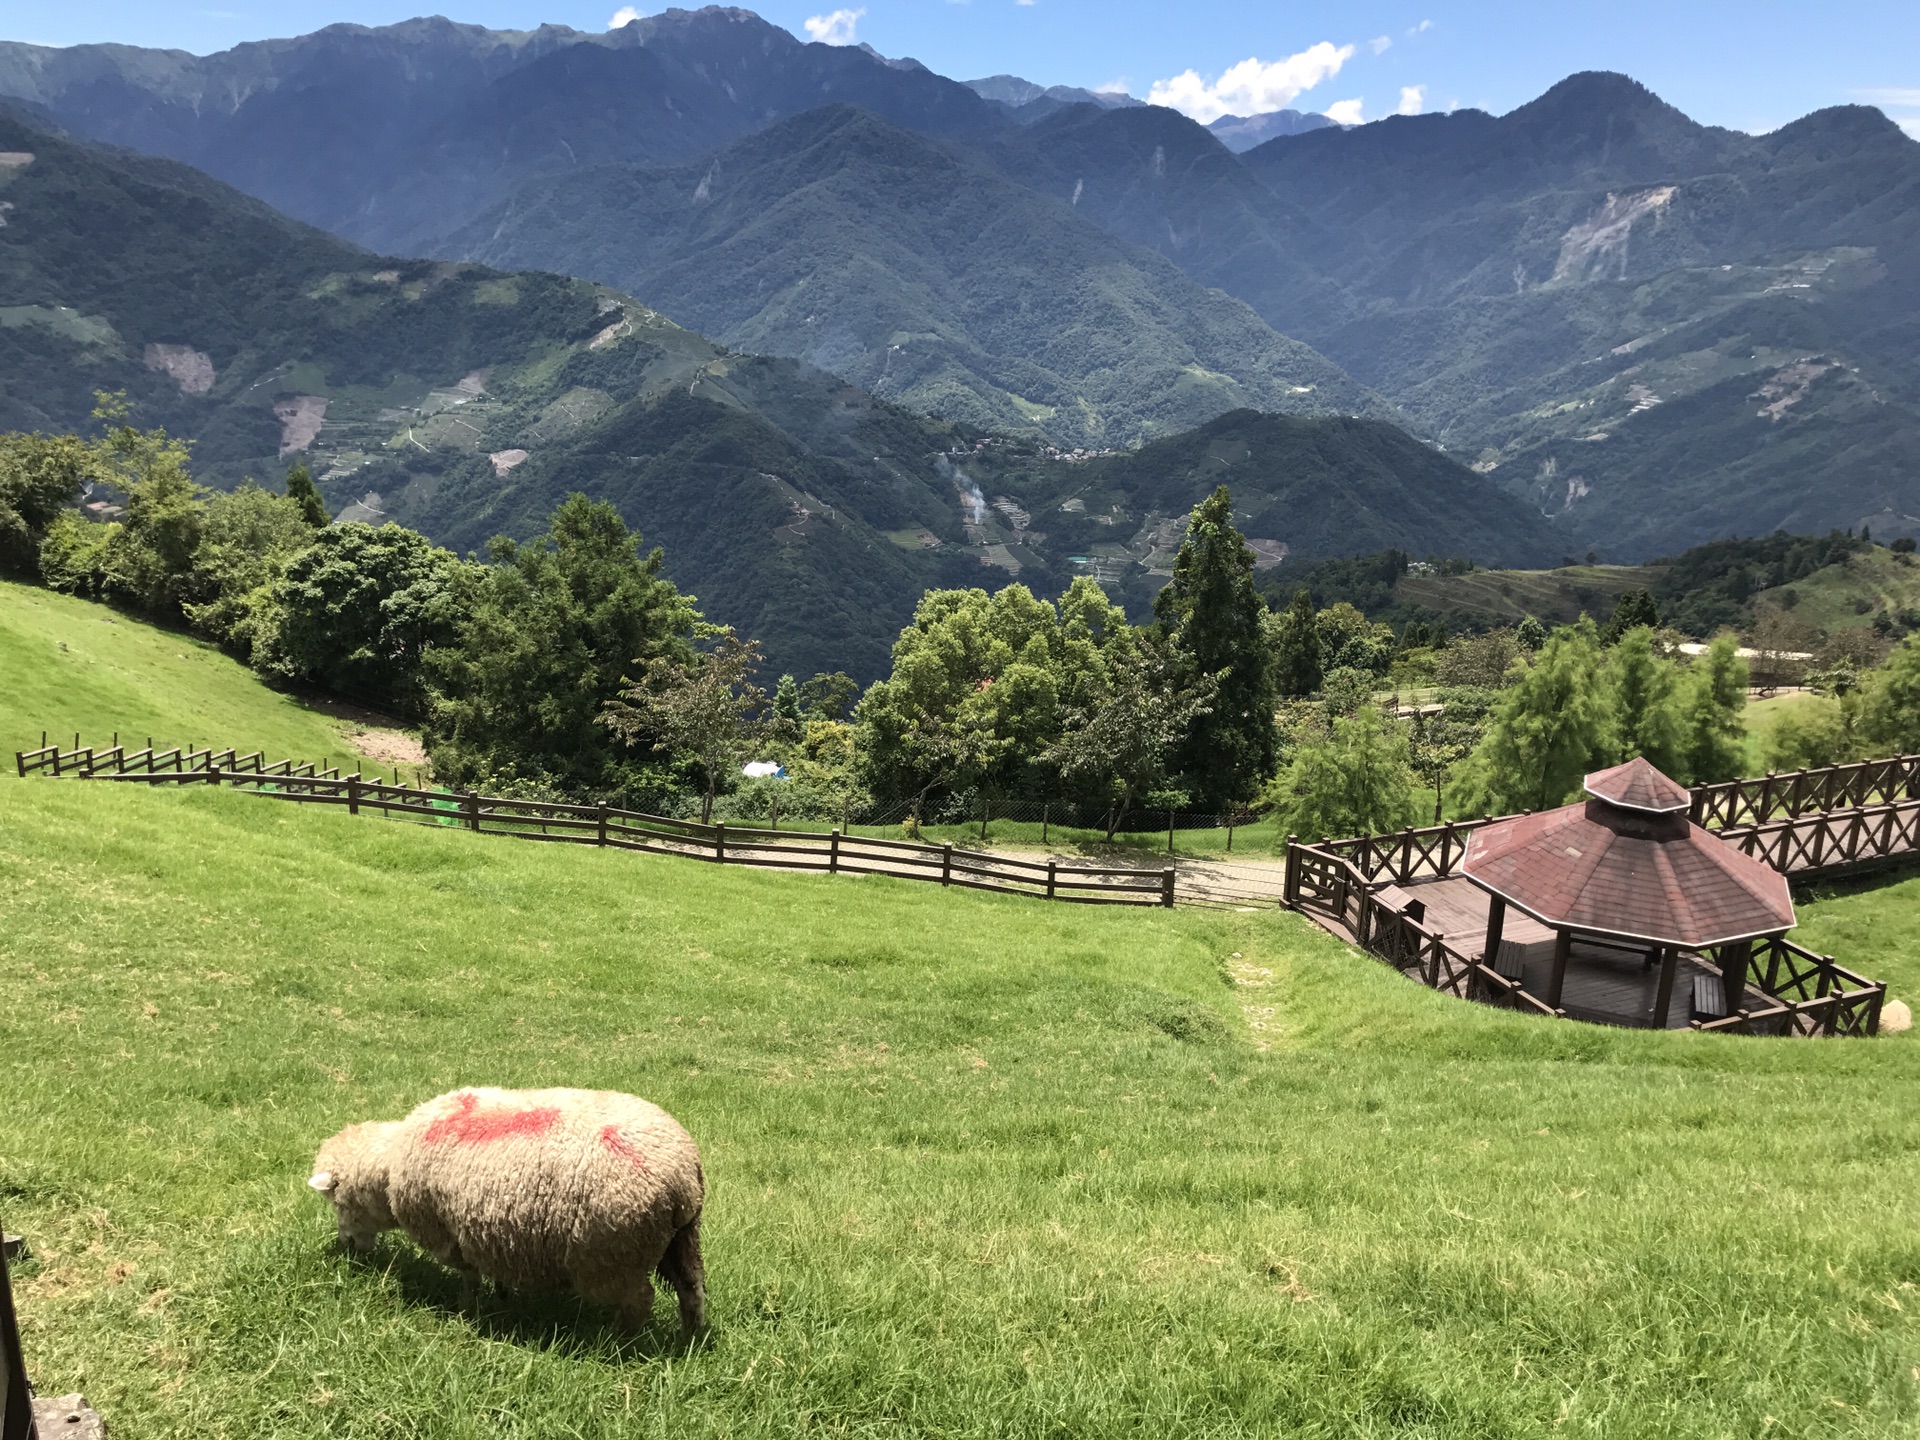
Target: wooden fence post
833, 853
1169, 830
601, 815
1044, 809
353, 793
1290, 885
1230, 816
946, 863
986, 807
773, 812
1053, 870
472, 803
1166, 888
720, 842
16, 1402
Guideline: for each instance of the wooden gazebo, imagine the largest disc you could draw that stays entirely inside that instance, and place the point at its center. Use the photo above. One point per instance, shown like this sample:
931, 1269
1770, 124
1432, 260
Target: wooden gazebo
1631, 896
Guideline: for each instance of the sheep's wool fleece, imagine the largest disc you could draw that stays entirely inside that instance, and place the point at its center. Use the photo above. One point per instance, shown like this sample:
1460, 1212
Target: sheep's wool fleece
537, 1188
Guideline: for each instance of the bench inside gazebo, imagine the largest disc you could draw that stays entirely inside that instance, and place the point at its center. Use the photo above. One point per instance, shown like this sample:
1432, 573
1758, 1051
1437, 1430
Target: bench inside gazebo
1617, 909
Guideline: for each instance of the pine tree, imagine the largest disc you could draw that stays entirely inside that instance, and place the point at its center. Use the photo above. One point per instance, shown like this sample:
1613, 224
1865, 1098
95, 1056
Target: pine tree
1553, 727
1357, 780
1294, 644
1211, 609
1630, 612
1714, 728
1645, 703
304, 493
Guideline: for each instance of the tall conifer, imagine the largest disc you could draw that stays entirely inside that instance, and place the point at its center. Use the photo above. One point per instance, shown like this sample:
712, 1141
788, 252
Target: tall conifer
1214, 611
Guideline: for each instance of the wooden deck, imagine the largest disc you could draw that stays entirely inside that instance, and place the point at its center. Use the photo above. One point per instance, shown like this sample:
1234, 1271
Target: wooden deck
1605, 985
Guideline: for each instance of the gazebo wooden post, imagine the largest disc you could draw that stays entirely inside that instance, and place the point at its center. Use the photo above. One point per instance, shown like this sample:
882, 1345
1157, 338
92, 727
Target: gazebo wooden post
1663, 997
1496, 921
1562, 947
1736, 960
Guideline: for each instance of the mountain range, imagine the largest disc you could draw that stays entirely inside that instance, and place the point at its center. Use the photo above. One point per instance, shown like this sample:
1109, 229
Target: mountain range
1651, 330
468, 401
935, 307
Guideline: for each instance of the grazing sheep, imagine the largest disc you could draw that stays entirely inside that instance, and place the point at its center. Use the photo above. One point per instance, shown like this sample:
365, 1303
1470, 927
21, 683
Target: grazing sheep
532, 1189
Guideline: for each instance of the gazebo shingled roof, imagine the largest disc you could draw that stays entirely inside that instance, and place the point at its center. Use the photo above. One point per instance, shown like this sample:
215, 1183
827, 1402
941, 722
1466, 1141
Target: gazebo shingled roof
1629, 863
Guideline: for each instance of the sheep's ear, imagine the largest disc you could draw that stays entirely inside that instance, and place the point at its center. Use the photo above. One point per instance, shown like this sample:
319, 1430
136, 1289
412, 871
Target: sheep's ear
323, 1182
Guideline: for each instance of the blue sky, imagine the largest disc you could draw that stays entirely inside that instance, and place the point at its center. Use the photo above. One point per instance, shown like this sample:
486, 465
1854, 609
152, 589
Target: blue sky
1752, 65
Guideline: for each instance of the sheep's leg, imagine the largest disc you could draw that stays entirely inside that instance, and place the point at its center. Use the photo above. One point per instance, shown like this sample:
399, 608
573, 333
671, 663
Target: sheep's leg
682, 1268
636, 1307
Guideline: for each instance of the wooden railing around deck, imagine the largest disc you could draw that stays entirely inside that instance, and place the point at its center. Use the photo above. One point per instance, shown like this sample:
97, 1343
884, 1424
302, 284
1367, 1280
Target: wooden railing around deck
1788, 796
1339, 883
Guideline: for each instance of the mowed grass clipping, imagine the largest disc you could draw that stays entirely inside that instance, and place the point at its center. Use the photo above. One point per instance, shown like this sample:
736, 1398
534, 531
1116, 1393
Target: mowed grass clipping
70, 665
979, 1166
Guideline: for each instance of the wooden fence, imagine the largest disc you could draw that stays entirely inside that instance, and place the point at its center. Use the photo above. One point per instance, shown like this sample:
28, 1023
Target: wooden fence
1339, 883
833, 853
16, 1400
1740, 803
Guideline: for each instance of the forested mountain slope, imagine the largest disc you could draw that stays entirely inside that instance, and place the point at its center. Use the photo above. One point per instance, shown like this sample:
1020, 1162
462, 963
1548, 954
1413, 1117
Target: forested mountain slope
911, 267
466, 402
463, 401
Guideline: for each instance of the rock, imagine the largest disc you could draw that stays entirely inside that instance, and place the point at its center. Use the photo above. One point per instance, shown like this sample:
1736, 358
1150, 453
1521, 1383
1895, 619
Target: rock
68, 1417
1895, 1016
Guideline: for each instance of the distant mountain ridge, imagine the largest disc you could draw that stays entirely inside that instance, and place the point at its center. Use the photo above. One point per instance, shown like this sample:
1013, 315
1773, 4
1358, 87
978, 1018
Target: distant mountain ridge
1649, 329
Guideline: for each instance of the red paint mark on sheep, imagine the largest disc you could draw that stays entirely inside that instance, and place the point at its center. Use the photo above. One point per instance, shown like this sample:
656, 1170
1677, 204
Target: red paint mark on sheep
468, 1127
611, 1139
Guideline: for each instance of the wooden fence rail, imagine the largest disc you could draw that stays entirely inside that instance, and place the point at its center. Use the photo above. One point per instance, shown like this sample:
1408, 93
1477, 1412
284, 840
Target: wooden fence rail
1738, 803
833, 853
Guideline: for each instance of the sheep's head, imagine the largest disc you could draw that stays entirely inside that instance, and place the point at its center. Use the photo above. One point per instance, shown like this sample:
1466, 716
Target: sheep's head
351, 1171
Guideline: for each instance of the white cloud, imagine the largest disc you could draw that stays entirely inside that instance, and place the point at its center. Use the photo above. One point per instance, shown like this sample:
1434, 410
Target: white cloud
1421, 28
1345, 112
1380, 44
625, 15
835, 28
1413, 99
1253, 87
1117, 86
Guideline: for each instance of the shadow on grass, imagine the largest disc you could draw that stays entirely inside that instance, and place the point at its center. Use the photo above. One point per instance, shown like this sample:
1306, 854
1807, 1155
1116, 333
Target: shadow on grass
552, 1320
1867, 880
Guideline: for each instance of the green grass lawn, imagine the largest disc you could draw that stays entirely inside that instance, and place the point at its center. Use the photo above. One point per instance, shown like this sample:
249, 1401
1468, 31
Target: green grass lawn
979, 1166
73, 665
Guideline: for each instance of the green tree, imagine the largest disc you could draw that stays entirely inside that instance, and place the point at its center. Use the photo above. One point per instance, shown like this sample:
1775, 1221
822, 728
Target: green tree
1645, 703
1213, 612
357, 610
980, 689
1546, 733
788, 715
1293, 642
1121, 735
704, 707
1356, 779
1530, 634
545, 636
1713, 702
247, 536
306, 495
148, 557
1631, 611
1887, 703
40, 476
829, 696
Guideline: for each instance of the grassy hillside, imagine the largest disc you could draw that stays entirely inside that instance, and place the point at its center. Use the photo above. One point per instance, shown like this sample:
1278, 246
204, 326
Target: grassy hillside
74, 665
1850, 596
977, 1166
1505, 597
